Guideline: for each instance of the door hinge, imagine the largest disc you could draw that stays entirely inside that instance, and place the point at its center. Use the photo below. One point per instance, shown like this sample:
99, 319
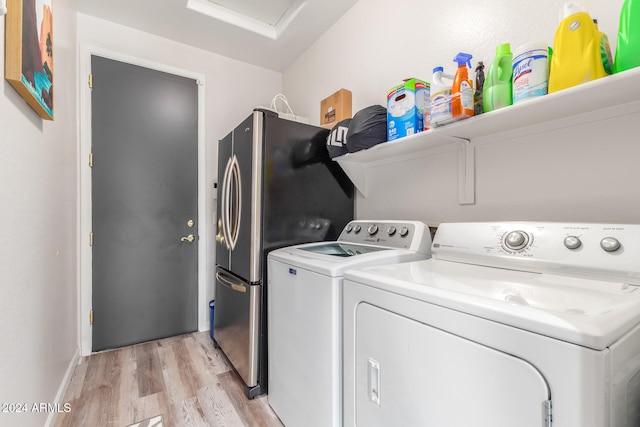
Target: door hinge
90, 160
548, 419
90, 80
91, 317
91, 238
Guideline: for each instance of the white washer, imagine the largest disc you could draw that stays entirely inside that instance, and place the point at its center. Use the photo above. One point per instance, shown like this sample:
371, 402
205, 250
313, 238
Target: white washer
304, 309
509, 324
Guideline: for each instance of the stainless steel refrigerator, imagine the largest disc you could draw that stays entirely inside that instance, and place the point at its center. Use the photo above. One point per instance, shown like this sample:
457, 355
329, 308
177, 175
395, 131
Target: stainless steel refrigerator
277, 187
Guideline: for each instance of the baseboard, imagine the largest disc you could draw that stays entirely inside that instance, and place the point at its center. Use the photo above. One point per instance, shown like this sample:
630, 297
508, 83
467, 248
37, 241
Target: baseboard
62, 390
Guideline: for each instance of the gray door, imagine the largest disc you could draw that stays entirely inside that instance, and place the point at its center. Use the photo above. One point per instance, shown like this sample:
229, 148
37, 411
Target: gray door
144, 204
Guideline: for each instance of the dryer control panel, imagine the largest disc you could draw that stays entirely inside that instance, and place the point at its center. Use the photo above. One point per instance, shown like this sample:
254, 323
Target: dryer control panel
601, 250
412, 235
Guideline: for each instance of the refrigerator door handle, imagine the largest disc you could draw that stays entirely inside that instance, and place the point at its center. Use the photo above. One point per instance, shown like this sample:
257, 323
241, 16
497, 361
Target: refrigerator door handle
228, 202
236, 185
230, 282
224, 208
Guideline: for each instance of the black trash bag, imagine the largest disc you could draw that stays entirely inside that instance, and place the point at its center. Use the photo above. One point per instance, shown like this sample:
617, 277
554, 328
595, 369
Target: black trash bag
337, 139
367, 128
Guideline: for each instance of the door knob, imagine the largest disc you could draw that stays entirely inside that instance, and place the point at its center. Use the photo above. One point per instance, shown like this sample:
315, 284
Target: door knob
190, 238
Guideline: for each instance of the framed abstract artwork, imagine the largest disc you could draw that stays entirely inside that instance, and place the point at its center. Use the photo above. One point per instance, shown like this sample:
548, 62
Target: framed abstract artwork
29, 52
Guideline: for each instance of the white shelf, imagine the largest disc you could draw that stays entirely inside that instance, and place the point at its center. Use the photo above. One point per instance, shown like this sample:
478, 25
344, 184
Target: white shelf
358, 164
589, 98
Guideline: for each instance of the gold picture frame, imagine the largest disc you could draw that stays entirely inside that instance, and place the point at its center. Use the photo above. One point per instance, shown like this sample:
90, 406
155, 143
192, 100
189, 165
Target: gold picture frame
29, 52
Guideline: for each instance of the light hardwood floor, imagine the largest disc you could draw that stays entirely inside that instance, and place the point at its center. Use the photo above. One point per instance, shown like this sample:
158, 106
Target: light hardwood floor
184, 379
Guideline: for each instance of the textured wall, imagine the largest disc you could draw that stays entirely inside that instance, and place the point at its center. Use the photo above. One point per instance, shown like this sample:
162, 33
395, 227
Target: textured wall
38, 287
580, 173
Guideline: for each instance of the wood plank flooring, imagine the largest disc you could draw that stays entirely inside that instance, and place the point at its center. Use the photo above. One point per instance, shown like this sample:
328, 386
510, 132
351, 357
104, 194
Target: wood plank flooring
184, 379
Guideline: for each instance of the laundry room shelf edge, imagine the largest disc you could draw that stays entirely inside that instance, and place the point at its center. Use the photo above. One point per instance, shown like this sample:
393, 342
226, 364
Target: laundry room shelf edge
587, 100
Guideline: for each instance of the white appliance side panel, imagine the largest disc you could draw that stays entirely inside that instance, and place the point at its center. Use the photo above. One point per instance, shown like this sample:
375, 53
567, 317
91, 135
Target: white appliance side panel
409, 373
305, 336
625, 380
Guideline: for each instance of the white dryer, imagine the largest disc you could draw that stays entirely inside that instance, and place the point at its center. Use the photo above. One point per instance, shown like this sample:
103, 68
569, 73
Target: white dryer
304, 313
508, 324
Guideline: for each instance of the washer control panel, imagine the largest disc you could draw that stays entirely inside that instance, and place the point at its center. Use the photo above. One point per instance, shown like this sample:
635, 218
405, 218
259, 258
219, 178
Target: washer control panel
601, 249
392, 234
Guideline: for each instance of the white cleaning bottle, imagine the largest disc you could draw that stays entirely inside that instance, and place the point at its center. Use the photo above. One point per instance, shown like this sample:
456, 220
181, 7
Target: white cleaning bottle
440, 97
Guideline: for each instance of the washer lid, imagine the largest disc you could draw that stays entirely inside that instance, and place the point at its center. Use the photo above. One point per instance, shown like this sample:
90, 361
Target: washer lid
343, 250
590, 313
334, 258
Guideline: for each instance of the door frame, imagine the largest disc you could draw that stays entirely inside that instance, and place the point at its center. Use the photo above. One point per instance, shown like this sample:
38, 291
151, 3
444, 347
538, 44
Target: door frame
84, 273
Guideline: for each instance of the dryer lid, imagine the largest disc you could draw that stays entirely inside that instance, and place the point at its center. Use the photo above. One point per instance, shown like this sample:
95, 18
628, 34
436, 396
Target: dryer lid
587, 312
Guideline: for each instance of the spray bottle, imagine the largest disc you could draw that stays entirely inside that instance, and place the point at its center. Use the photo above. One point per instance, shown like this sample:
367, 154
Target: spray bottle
462, 88
628, 47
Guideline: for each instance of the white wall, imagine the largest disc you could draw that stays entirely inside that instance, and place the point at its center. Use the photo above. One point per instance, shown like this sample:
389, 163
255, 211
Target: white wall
580, 174
38, 313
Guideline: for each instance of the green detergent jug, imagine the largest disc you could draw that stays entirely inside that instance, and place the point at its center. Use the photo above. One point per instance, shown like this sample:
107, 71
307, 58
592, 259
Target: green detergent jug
497, 92
628, 48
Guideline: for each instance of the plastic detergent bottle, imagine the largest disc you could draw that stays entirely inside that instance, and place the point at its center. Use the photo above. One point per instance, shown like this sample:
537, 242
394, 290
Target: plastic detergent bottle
581, 52
477, 104
440, 97
497, 85
462, 88
605, 49
628, 47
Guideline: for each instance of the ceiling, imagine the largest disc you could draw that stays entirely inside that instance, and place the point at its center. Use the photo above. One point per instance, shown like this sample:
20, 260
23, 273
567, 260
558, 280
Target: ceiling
268, 33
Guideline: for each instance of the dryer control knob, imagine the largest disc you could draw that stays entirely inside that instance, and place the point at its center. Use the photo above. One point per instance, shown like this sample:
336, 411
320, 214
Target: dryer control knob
372, 230
357, 229
391, 231
404, 231
572, 242
610, 244
516, 240
348, 228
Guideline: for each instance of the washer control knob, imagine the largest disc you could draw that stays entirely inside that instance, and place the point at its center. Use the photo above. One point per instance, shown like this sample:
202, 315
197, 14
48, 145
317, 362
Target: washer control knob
348, 228
516, 240
372, 230
610, 244
572, 242
404, 231
391, 231
357, 229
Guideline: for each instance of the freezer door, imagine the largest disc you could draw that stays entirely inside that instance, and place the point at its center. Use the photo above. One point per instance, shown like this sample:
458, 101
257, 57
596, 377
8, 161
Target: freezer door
237, 323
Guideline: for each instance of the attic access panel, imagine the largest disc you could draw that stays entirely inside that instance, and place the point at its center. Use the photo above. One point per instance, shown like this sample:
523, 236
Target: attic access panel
268, 18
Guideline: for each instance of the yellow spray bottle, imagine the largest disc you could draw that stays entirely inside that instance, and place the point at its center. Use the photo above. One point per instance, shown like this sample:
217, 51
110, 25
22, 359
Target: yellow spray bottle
581, 52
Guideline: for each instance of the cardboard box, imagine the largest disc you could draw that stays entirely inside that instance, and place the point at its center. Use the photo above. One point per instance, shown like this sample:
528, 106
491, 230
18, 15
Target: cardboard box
406, 105
335, 108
